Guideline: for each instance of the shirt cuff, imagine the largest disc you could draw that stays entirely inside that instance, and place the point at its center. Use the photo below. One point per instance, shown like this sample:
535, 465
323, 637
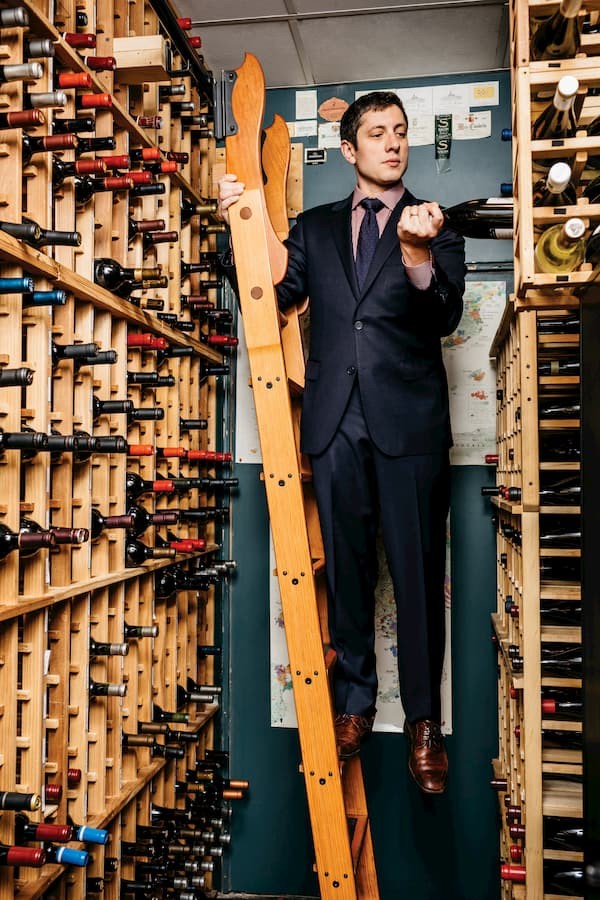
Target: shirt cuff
420, 276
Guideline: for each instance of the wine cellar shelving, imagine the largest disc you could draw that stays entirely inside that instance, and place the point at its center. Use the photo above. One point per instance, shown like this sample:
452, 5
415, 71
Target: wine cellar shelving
541, 612
109, 628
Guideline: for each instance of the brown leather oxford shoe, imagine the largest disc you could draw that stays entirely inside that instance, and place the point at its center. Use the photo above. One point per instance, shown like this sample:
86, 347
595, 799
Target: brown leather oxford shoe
350, 732
427, 762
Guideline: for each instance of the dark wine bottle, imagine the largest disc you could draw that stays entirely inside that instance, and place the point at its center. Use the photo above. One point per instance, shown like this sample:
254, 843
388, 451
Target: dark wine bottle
152, 379
559, 36
71, 351
100, 522
566, 491
21, 377
491, 218
28, 542
563, 366
40, 831
560, 612
557, 120
103, 689
62, 170
21, 118
87, 187
110, 274
135, 486
88, 835
45, 144
137, 553
141, 519
559, 409
44, 298
133, 632
140, 226
93, 145
102, 648
161, 715
13, 800
189, 208
82, 124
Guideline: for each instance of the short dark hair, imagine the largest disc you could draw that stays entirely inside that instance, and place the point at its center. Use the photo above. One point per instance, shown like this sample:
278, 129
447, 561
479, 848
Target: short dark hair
350, 121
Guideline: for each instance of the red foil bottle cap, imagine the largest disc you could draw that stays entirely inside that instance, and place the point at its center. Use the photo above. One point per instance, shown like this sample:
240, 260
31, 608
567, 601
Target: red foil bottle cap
171, 452
23, 117
549, 706
74, 80
73, 777
185, 23
93, 101
101, 63
165, 487
47, 832
80, 40
118, 182
61, 141
140, 449
53, 793
26, 856
116, 162
195, 41
90, 167
141, 177
147, 153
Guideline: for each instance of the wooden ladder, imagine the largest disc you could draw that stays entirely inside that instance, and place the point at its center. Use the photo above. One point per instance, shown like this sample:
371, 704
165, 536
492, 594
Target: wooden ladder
336, 797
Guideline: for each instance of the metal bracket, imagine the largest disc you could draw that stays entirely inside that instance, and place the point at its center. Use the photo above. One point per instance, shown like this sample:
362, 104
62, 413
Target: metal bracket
225, 124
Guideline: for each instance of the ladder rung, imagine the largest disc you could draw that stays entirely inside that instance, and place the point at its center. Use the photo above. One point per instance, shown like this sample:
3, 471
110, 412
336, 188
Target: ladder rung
357, 826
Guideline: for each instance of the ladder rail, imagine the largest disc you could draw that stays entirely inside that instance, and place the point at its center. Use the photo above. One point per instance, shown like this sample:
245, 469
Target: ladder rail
261, 260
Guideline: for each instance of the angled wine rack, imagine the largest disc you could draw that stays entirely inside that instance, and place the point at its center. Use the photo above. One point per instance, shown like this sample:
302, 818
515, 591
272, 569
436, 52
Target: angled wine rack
60, 739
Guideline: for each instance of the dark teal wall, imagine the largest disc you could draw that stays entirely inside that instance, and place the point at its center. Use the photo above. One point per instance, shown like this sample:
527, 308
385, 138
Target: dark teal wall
426, 848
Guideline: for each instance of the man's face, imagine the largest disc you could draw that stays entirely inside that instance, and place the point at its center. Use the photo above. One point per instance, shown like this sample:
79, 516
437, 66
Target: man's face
381, 152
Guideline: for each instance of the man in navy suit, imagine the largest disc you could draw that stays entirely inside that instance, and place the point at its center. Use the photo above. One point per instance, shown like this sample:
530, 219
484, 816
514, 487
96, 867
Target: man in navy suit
385, 280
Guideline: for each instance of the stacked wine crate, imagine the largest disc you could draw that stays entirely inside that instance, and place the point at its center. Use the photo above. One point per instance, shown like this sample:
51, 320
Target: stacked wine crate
537, 627
72, 717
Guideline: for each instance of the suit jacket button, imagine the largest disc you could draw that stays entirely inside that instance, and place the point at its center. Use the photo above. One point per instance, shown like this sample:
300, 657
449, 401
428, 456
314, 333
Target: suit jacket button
351, 370
358, 325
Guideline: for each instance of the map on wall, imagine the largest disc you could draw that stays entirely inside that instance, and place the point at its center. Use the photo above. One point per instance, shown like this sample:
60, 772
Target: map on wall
472, 387
471, 376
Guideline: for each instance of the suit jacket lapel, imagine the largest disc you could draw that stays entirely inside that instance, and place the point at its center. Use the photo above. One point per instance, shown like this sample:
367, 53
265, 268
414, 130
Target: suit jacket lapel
388, 241
341, 227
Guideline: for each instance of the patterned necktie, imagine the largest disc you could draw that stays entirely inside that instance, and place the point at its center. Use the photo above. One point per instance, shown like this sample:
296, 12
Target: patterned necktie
367, 237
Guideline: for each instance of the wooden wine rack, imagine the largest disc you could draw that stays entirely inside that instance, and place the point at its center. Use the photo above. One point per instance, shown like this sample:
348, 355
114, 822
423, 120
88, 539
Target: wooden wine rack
534, 762
52, 603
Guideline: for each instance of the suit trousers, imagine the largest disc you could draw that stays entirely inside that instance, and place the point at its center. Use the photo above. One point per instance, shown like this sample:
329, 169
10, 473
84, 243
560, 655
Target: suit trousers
356, 487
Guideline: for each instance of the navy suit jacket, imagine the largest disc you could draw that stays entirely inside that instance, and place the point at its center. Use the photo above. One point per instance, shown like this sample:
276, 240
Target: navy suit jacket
386, 336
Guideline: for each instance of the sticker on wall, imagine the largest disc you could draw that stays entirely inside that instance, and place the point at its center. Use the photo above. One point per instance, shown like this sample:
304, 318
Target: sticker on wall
306, 104
329, 134
484, 93
473, 126
443, 143
421, 130
333, 109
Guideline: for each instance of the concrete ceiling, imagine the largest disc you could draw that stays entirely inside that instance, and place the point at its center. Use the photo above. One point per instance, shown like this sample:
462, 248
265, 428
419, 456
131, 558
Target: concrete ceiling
306, 42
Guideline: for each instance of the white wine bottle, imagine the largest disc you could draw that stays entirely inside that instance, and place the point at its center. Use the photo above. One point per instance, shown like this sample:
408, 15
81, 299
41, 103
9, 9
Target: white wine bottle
491, 218
556, 189
561, 248
559, 36
557, 120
